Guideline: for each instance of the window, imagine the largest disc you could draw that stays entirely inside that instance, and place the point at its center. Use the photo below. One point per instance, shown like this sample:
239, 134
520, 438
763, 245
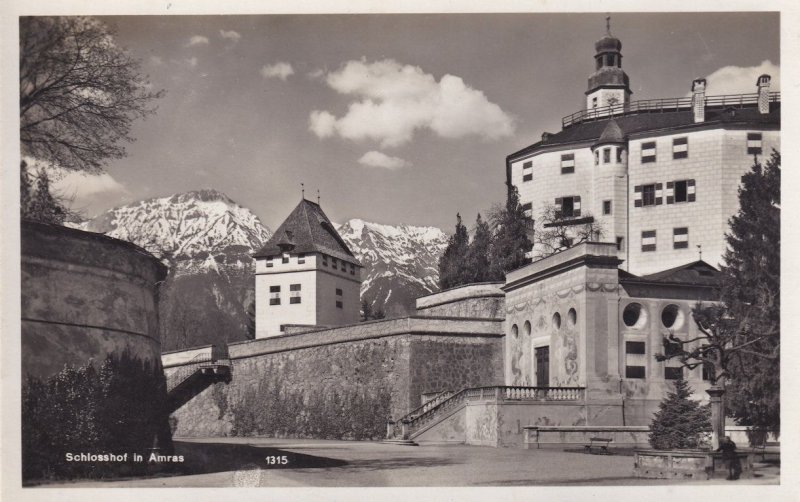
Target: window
338, 292
325, 260
648, 240
708, 371
606, 207
597, 157
274, 295
680, 191
283, 328
680, 148
339, 304
606, 155
527, 208
269, 262
672, 373
619, 155
294, 293
527, 171
594, 99
648, 152
635, 359
334, 264
568, 163
754, 143
648, 195
285, 258
569, 207
301, 258
680, 238
619, 243
352, 269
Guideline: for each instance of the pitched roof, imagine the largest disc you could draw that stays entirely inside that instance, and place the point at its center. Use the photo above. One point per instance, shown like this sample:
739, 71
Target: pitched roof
611, 134
697, 273
644, 122
307, 230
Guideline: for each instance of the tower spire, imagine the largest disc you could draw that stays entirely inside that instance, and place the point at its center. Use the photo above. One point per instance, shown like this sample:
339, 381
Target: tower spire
608, 25
303, 191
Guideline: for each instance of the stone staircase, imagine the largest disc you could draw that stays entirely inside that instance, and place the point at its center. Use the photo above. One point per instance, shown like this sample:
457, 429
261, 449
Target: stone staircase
446, 403
194, 377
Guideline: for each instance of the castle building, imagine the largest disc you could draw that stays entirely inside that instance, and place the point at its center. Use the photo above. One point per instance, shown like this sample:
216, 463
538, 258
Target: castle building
659, 176
564, 348
306, 275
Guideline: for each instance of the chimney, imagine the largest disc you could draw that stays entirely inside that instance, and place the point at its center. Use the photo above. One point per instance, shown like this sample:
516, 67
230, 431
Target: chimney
546, 136
763, 93
699, 99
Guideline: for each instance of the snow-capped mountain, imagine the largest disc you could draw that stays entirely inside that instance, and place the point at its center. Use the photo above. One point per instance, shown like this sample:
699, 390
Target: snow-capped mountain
400, 262
197, 230
208, 240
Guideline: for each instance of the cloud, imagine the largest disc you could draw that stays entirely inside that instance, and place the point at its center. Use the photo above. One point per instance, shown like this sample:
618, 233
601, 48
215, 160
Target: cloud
77, 187
316, 74
231, 35
379, 159
393, 101
279, 70
197, 40
741, 79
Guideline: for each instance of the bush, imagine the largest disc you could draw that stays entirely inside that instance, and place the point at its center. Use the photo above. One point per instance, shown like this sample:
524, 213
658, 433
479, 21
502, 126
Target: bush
119, 409
680, 422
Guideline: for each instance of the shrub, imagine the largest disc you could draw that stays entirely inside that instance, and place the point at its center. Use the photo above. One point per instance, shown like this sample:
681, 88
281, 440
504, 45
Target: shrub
680, 423
119, 409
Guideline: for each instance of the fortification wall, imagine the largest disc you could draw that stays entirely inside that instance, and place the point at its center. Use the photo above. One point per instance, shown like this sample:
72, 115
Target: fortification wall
343, 382
475, 301
84, 296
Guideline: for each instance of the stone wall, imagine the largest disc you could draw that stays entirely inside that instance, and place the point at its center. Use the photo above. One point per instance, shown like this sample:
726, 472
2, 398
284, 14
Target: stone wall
475, 301
84, 296
343, 382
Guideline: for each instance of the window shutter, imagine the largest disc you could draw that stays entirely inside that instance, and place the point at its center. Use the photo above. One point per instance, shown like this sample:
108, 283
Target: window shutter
576, 206
659, 192
637, 196
690, 191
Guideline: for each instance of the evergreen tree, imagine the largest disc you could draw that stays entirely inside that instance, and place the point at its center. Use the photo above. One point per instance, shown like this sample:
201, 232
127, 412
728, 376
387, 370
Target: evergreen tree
680, 422
451, 264
477, 262
42, 205
511, 242
751, 294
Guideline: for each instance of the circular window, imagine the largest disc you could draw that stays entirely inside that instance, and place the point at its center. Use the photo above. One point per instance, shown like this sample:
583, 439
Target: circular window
572, 317
526, 328
634, 315
672, 316
514, 331
557, 320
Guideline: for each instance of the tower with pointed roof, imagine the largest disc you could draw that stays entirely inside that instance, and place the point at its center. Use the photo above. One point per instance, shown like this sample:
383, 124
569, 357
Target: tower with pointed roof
609, 87
306, 275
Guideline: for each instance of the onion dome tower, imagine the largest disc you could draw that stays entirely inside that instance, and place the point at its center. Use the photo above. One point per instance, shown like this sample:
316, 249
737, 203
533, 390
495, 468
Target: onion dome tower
608, 85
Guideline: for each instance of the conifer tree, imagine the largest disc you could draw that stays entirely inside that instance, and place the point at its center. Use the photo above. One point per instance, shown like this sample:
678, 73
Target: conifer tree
43, 206
452, 261
751, 294
477, 262
680, 422
511, 242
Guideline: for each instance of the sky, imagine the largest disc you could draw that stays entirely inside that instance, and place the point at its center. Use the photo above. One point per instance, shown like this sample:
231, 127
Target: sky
393, 118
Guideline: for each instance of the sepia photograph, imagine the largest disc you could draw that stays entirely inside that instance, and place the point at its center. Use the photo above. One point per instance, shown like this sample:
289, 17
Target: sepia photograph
263, 249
